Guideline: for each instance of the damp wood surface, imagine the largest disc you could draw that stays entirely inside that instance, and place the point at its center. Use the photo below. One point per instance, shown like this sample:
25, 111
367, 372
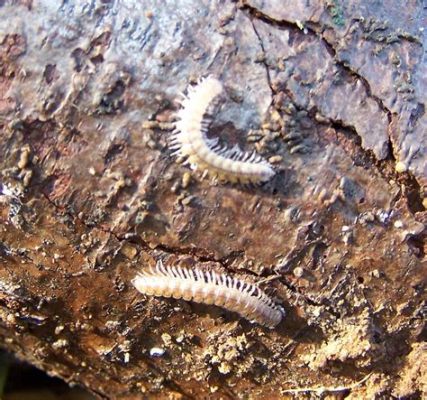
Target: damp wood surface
332, 94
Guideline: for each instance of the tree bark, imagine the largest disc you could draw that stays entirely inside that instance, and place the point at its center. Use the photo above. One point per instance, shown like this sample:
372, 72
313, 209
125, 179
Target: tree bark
332, 93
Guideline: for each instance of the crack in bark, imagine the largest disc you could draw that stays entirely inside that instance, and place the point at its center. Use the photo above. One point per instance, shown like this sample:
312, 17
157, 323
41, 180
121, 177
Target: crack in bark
385, 167
366, 85
199, 254
409, 179
267, 71
293, 26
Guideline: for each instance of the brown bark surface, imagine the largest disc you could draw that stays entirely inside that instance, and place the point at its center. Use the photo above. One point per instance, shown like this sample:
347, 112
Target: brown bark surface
332, 92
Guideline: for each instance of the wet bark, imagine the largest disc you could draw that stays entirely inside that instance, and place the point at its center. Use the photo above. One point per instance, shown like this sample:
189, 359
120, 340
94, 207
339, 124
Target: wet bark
332, 93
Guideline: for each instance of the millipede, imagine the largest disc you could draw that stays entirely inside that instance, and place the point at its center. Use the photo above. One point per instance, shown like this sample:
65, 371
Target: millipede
189, 140
209, 287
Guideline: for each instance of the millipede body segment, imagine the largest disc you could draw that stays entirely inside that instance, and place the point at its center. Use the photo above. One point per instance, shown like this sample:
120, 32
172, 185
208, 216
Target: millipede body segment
190, 140
209, 287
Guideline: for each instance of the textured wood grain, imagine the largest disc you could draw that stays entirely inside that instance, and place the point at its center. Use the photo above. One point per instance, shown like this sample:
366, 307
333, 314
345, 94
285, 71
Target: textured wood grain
330, 93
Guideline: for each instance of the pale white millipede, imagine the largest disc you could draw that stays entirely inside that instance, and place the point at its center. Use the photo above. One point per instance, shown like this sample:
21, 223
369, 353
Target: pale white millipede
209, 287
190, 141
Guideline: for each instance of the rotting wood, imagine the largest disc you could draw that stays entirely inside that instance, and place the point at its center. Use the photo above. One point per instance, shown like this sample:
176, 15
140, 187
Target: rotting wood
333, 92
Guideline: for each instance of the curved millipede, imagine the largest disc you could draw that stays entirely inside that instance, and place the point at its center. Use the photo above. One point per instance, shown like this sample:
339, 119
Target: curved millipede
209, 287
189, 140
